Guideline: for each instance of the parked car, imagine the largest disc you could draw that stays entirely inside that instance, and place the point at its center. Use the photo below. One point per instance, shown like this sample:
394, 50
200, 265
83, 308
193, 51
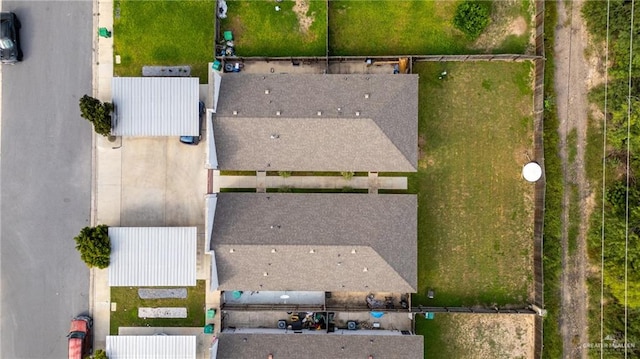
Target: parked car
10, 51
194, 140
80, 337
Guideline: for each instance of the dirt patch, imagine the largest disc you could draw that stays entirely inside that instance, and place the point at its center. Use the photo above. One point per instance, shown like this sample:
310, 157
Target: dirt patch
492, 335
504, 24
301, 8
517, 27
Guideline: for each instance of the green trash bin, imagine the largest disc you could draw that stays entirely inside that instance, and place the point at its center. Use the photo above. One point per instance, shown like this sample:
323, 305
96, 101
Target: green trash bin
208, 329
228, 36
104, 32
217, 65
211, 313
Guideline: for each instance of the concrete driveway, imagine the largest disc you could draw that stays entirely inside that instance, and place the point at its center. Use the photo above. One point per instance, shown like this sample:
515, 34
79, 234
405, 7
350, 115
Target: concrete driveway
163, 183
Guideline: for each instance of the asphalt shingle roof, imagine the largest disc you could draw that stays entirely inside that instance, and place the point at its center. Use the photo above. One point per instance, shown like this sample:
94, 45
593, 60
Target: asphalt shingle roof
315, 122
323, 242
294, 346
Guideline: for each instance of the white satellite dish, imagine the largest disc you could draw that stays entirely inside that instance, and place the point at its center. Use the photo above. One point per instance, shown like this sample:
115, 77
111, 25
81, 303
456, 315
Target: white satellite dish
532, 172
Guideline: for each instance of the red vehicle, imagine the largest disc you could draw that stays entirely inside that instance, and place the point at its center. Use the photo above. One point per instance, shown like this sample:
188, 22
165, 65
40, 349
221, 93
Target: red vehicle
80, 337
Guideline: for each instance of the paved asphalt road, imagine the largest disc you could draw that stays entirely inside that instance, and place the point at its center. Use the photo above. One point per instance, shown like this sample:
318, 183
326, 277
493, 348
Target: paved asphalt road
45, 168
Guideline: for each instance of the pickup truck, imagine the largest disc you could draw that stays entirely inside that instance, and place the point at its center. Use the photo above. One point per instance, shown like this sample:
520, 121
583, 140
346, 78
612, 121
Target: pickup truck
80, 337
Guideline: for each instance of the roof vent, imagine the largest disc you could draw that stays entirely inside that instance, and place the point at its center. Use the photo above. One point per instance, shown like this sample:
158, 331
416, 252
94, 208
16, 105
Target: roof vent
312, 251
275, 136
357, 113
319, 113
339, 263
231, 250
277, 113
365, 269
235, 113
265, 274
273, 250
366, 95
353, 251
266, 92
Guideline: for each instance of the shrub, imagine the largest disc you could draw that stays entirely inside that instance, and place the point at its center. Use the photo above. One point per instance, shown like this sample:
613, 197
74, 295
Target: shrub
472, 17
347, 175
94, 246
98, 113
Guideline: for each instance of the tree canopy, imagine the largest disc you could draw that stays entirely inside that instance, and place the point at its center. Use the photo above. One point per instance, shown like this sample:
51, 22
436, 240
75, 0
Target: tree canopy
98, 113
94, 246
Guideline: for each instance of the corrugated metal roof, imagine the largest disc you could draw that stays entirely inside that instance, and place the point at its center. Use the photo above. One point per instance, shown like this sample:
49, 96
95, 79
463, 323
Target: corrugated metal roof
210, 208
155, 106
152, 256
151, 346
212, 155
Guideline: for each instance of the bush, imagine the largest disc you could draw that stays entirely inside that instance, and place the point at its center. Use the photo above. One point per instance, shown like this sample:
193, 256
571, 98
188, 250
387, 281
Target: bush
94, 246
347, 175
472, 17
284, 174
97, 113
100, 354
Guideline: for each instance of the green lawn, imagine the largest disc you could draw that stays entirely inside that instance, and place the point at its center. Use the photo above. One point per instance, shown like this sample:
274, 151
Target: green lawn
475, 216
259, 30
163, 32
128, 301
416, 27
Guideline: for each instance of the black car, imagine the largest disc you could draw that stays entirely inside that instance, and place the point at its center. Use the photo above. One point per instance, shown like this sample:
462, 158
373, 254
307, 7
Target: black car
194, 140
10, 52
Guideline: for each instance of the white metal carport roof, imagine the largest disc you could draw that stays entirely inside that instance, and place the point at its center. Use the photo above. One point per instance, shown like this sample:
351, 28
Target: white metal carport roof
153, 256
151, 346
155, 106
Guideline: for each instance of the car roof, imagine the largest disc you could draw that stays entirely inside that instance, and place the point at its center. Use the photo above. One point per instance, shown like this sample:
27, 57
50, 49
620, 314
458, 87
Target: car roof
79, 325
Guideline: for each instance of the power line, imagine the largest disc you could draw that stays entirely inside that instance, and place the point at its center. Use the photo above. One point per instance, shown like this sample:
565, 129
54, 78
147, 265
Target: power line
604, 175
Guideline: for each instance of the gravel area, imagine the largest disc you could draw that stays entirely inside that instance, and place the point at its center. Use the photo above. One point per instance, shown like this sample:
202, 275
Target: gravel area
144, 312
149, 293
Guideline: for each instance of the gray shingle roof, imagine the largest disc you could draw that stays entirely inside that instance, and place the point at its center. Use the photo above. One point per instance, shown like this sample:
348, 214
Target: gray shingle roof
366, 122
323, 242
295, 346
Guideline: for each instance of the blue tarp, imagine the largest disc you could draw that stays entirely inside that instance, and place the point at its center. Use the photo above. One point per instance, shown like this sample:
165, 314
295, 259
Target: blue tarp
377, 314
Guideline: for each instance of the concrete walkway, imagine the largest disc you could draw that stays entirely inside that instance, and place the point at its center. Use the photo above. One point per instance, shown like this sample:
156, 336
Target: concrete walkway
106, 172
261, 182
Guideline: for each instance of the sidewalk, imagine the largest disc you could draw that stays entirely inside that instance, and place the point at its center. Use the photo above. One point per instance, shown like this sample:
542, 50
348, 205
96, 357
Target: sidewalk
261, 182
107, 169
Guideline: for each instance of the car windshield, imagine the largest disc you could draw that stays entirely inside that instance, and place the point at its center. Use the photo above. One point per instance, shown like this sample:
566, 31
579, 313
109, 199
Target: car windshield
5, 43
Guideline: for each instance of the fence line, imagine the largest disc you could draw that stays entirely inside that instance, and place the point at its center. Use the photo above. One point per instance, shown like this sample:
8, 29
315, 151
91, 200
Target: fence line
539, 191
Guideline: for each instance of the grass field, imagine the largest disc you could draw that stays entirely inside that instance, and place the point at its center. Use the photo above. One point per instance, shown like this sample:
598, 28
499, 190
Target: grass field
163, 32
128, 302
507, 336
259, 30
475, 216
412, 27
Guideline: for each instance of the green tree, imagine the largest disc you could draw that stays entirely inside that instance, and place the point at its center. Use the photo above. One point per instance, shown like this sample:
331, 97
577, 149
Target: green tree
98, 113
472, 17
94, 246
